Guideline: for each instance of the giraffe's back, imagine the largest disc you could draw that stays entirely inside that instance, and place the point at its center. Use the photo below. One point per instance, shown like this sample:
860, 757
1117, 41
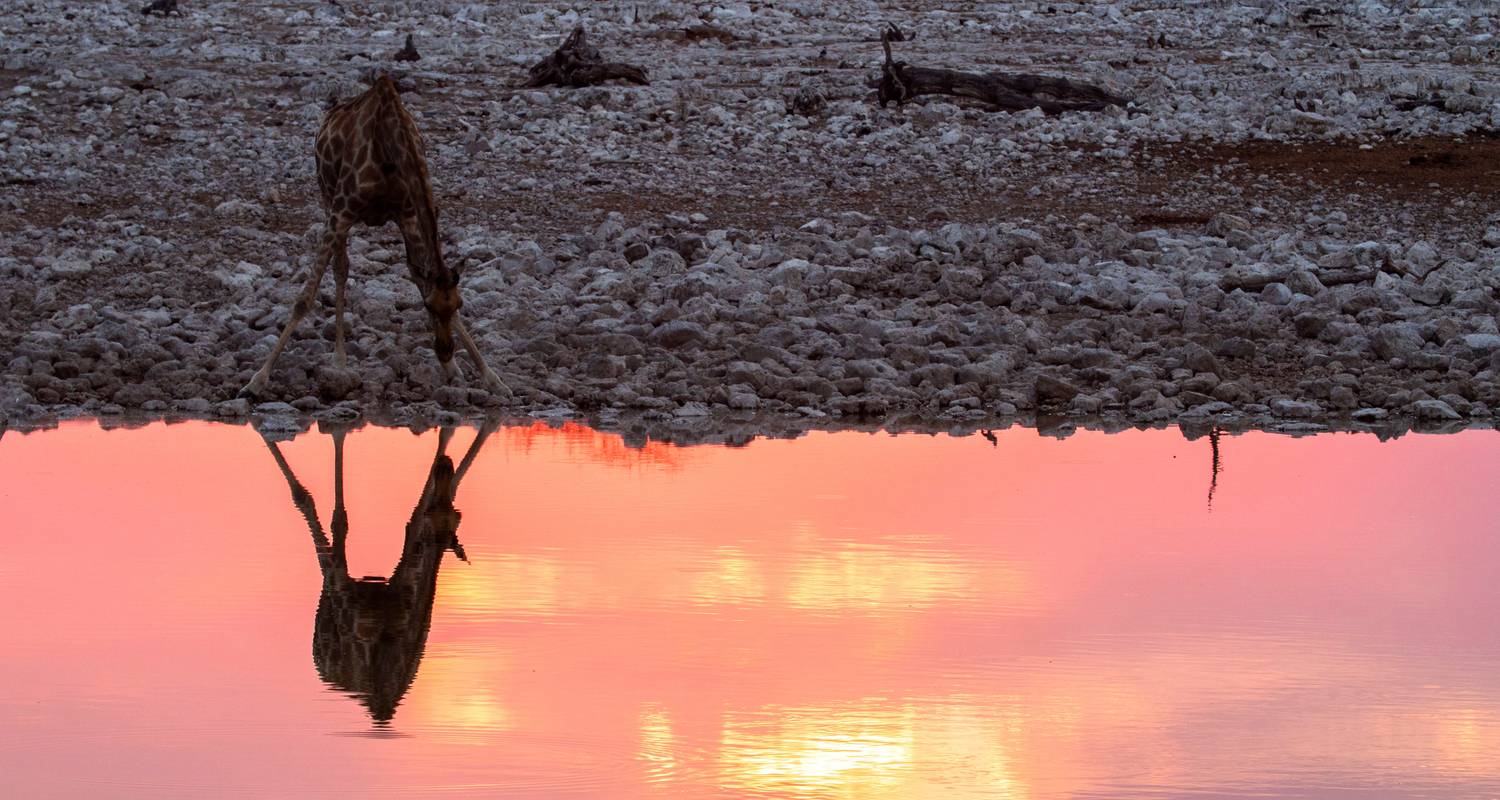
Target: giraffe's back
370, 159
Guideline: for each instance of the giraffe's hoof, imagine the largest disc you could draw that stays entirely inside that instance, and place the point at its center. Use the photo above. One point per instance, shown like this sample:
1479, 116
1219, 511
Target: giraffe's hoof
496, 386
254, 390
453, 372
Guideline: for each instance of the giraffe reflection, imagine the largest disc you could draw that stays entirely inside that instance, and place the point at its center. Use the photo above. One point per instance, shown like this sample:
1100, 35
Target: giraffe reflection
370, 632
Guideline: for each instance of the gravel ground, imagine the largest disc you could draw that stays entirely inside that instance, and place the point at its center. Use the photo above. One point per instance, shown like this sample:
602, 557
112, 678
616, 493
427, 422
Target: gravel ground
1295, 224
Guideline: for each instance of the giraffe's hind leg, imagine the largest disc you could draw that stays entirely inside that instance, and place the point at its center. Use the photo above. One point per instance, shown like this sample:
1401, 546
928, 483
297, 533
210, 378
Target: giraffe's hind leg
333, 238
340, 278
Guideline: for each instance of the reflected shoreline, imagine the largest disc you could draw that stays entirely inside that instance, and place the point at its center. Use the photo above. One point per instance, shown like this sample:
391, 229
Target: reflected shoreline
638, 428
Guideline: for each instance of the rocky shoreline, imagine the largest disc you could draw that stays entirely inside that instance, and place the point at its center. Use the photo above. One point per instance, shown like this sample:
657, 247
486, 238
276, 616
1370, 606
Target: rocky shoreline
839, 320
279, 422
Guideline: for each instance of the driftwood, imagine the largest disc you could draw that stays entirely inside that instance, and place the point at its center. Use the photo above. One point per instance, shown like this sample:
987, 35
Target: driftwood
1254, 281
1453, 104
695, 33
698, 33
1316, 20
577, 63
899, 82
409, 52
806, 101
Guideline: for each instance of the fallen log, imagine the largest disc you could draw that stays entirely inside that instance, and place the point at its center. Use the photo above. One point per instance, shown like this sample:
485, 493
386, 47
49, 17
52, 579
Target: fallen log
1254, 280
1452, 104
1340, 277
577, 63
900, 81
696, 33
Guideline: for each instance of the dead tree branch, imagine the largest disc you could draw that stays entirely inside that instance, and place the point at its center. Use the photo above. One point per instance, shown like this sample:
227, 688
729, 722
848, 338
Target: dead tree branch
899, 82
577, 63
409, 52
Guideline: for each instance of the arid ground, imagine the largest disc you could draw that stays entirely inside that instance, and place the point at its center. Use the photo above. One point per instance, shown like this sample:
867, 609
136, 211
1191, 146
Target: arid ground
1293, 223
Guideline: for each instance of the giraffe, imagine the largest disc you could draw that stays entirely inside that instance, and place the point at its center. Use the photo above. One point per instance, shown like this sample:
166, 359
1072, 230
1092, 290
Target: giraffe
369, 633
371, 169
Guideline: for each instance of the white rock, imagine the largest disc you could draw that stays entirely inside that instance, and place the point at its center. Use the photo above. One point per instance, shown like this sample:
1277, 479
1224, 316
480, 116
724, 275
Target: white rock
1482, 343
792, 272
1434, 410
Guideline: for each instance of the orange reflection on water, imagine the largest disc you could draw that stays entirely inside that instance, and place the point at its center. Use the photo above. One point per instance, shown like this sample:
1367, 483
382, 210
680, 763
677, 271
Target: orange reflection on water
582, 443
843, 615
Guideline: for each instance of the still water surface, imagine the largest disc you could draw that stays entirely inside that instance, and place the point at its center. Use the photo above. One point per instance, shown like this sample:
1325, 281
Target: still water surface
191, 612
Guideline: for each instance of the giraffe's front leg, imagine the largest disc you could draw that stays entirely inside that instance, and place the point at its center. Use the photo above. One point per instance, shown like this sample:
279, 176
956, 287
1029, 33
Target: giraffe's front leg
492, 381
256, 388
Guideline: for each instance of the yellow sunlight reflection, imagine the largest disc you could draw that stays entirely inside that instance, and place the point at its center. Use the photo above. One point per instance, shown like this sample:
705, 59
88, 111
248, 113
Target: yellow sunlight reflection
734, 578
873, 747
848, 751
520, 584
821, 575
871, 576
457, 696
657, 742
1469, 736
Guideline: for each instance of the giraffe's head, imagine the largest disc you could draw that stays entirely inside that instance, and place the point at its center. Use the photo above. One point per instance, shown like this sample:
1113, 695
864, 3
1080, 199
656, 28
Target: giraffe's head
442, 302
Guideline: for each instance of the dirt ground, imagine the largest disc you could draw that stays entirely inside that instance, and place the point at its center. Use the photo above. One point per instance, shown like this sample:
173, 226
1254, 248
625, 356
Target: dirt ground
157, 175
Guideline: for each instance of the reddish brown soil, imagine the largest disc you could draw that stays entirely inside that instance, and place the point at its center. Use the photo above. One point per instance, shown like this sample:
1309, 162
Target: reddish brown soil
1440, 188
1410, 169
1424, 180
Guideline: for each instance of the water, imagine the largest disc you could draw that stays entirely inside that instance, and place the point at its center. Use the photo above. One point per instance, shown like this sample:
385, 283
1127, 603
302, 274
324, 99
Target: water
843, 615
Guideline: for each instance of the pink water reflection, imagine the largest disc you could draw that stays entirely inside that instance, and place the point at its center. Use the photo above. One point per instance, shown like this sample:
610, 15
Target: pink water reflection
843, 615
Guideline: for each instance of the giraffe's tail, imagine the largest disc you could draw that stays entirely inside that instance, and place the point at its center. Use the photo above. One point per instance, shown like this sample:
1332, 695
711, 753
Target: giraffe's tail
385, 86
388, 146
